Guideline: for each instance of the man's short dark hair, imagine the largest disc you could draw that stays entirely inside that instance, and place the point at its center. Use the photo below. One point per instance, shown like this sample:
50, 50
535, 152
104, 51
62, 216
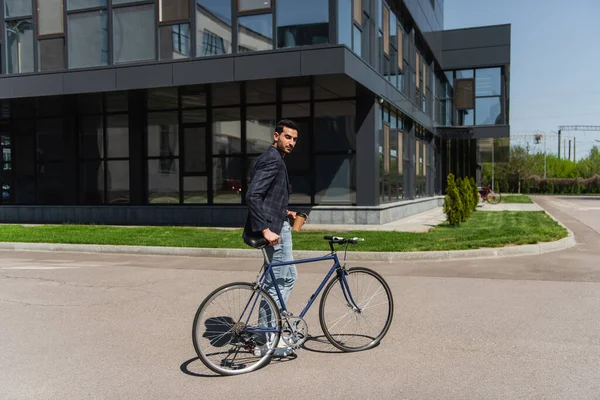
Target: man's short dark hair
286, 123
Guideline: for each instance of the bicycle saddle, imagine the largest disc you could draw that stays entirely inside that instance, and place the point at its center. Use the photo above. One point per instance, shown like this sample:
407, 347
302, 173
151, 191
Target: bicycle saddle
255, 240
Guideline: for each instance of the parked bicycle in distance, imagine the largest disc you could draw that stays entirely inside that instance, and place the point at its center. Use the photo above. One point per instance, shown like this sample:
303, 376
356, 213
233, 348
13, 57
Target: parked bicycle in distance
238, 326
489, 195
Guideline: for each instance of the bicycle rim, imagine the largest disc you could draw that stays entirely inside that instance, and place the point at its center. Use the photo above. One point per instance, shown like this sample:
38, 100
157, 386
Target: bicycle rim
348, 329
226, 328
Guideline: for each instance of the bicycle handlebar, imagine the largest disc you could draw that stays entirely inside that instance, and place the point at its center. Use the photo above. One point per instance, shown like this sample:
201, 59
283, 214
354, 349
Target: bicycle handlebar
341, 240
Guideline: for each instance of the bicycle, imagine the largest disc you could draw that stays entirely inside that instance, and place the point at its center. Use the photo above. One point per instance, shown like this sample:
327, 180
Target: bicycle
489, 195
238, 326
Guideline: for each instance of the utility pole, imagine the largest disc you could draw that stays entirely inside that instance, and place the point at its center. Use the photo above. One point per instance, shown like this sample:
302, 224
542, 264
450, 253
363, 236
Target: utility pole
545, 155
569, 149
574, 143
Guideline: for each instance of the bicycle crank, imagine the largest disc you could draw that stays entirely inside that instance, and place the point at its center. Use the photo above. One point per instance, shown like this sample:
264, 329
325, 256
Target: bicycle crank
295, 332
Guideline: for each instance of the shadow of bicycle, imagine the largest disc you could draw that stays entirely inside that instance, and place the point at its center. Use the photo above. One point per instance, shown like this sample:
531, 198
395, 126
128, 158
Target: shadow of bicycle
320, 344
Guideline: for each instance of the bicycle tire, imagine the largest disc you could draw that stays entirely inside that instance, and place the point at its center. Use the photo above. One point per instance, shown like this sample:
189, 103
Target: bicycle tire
197, 337
327, 330
496, 198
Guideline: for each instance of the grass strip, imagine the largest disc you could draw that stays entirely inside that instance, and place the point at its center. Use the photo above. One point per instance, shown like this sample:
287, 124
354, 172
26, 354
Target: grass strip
522, 199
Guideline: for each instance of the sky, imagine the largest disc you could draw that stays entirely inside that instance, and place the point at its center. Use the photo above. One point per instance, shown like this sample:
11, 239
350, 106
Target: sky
555, 59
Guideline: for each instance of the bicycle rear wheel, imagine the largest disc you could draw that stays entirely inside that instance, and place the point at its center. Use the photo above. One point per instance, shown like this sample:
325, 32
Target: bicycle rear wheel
350, 329
228, 330
494, 198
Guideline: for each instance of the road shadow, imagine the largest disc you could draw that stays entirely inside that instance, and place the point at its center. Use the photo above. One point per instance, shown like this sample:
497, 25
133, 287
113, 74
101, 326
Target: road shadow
195, 367
320, 344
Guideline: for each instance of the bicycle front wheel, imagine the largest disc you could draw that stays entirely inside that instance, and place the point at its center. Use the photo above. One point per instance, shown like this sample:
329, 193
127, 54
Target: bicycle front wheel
494, 198
349, 328
236, 329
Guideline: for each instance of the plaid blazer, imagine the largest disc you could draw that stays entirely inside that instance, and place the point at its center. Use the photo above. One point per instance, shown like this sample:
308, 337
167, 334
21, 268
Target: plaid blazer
268, 193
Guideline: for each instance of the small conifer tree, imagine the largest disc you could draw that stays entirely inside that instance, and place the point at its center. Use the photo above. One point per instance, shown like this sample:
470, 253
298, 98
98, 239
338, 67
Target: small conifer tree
475, 192
452, 202
466, 197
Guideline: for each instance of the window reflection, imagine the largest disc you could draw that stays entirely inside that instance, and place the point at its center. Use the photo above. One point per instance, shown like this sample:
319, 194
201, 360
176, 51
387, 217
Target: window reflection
80, 4
88, 39
163, 134
133, 33
19, 38
302, 23
163, 182
488, 111
335, 179
227, 183
117, 136
213, 27
117, 181
174, 42
334, 126
255, 33
345, 22
17, 8
487, 82
227, 135
195, 189
260, 125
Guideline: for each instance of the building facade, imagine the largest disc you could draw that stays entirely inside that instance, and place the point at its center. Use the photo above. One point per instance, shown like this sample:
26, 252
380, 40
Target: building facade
152, 111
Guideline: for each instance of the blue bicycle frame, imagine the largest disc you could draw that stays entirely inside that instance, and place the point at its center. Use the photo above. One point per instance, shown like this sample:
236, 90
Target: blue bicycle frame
269, 270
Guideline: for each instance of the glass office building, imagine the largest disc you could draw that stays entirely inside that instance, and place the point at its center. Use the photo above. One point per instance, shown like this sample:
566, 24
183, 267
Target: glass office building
152, 111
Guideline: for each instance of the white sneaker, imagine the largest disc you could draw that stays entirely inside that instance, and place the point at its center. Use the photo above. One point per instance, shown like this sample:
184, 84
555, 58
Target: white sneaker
283, 350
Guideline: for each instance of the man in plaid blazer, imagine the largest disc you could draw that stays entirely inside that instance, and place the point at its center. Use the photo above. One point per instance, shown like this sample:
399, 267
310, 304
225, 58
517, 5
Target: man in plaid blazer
267, 200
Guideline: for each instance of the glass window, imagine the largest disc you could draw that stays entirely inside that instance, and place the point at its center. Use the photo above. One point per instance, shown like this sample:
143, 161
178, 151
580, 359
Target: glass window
345, 22
163, 99
334, 86
92, 182
193, 96
117, 101
225, 94
52, 56
251, 5
467, 73
163, 181
133, 33
117, 182
487, 82
193, 116
299, 161
54, 183
19, 35
174, 42
260, 125
295, 89
88, 39
51, 140
17, 8
91, 134
300, 189
81, 4
357, 41
163, 134
195, 189
357, 11
488, 111
255, 33
302, 23
262, 91
213, 27
334, 126
466, 118
117, 136
227, 180
226, 133
126, 1
295, 110
50, 17
194, 149
335, 179
173, 10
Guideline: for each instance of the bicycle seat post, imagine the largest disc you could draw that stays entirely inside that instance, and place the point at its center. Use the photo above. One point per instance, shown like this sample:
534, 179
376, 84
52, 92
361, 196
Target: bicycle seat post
264, 251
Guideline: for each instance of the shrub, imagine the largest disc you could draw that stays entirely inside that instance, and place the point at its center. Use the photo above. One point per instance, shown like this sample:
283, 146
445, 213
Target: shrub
549, 187
497, 187
474, 193
467, 198
452, 202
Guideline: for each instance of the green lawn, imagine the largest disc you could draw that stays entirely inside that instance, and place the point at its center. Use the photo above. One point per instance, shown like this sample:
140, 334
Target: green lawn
484, 229
517, 199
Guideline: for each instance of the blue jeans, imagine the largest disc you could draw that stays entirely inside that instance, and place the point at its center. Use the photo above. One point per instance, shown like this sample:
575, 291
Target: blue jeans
285, 275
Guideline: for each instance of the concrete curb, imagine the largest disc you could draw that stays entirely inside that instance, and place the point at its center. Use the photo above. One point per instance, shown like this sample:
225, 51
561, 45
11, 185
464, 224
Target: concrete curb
530, 249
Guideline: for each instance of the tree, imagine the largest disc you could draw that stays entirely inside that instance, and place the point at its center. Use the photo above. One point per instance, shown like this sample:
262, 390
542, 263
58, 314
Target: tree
467, 198
475, 193
521, 165
452, 202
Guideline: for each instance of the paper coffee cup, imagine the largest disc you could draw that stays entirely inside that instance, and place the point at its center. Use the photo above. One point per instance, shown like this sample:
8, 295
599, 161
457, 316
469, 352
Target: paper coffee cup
299, 221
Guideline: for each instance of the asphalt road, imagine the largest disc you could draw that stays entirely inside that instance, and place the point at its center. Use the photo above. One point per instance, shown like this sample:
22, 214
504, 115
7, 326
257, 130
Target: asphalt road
98, 326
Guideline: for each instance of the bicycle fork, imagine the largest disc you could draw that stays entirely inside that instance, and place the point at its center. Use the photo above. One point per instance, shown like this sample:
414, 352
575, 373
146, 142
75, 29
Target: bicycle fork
346, 290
